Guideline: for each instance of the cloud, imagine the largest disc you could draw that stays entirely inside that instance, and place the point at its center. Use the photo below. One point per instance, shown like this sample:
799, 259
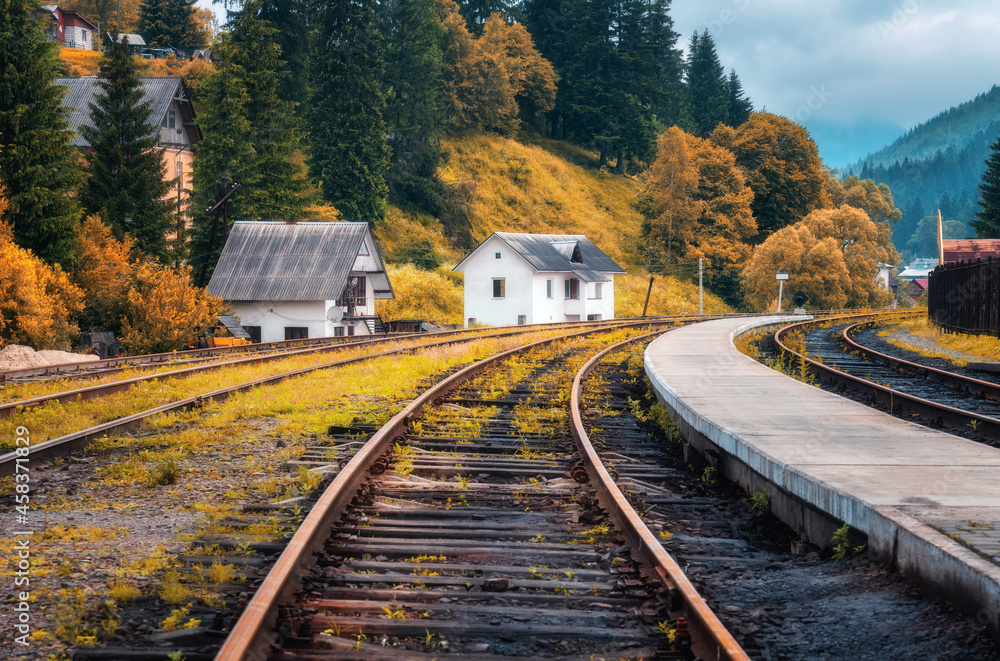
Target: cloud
898, 62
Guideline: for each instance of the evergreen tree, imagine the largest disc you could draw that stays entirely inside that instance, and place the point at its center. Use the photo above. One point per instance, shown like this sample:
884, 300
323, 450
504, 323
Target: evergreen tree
707, 86
125, 183
289, 20
38, 167
250, 138
349, 151
165, 23
414, 112
740, 106
987, 223
477, 12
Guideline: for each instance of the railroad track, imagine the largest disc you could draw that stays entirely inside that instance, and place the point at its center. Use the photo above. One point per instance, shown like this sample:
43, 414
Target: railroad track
471, 526
907, 389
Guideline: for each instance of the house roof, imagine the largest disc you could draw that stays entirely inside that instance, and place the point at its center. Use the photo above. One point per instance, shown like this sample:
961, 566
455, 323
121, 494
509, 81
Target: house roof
273, 261
234, 327
130, 39
160, 92
956, 250
558, 253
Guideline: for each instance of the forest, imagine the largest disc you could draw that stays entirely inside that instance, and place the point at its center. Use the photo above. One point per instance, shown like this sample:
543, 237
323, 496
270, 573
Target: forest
437, 122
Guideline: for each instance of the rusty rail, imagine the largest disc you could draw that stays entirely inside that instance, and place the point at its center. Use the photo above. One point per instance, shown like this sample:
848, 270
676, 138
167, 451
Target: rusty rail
714, 643
254, 631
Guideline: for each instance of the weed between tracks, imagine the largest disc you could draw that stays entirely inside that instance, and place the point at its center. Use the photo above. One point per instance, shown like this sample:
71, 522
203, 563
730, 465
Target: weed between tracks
187, 475
932, 342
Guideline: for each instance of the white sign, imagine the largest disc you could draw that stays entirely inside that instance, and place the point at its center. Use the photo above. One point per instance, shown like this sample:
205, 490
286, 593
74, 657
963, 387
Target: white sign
781, 276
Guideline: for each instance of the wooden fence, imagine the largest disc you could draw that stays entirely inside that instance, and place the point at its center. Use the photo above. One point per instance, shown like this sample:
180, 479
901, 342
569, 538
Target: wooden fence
964, 297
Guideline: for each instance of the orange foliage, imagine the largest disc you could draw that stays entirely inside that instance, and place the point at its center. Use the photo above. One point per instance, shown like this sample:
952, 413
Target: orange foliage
164, 308
80, 62
874, 199
102, 272
192, 71
37, 302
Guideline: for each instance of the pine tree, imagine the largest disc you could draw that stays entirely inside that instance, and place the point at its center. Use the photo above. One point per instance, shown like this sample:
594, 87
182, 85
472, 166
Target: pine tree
987, 223
349, 151
707, 86
38, 166
414, 108
477, 12
288, 18
165, 23
740, 107
250, 138
125, 183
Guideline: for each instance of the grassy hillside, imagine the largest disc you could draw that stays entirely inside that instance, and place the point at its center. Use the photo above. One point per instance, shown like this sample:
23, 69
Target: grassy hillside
547, 187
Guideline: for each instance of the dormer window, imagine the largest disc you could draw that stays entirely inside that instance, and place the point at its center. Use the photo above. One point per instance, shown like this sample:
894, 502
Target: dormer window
577, 258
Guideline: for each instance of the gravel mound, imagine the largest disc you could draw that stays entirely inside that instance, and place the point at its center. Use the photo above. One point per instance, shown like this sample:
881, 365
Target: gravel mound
16, 356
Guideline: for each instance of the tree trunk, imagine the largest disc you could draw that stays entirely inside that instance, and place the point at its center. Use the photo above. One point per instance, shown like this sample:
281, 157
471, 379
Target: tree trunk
620, 165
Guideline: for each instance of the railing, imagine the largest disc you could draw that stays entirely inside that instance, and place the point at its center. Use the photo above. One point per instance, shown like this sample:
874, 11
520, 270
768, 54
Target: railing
964, 297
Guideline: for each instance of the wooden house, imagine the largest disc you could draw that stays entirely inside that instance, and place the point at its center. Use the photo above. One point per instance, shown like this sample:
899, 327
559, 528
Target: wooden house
69, 28
171, 117
536, 279
288, 281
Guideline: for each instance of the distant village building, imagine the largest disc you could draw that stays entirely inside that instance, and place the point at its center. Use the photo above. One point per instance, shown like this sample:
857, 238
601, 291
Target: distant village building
913, 279
958, 250
172, 115
69, 28
538, 278
288, 281
135, 42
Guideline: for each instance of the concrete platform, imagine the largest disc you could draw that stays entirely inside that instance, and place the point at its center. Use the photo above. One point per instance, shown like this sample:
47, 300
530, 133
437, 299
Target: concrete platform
928, 501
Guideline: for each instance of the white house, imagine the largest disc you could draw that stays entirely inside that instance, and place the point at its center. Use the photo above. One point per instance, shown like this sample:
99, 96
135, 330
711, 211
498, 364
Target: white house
287, 281
536, 279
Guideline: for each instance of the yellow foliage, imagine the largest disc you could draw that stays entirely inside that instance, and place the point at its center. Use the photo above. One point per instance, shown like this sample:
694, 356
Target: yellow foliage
669, 296
102, 272
525, 188
404, 233
80, 62
38, 303
164, 308
192, 71
435, 296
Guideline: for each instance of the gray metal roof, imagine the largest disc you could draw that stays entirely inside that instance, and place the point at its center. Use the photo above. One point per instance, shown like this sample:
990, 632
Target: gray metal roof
234, 327
268, 261
130, 39
160, 92
555, 253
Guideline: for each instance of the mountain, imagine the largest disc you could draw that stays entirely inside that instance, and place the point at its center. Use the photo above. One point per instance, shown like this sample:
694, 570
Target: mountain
937, 165
841, 145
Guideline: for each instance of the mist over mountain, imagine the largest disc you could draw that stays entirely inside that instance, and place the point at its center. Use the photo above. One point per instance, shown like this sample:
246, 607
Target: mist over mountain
937, 165
840, 145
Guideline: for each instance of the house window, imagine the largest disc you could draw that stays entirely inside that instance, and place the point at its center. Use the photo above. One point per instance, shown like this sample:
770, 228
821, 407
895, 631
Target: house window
593, 317
472, 321
253, 332
296, 333
598, 290
338, 331
497, 255
350, 330
522, 319
172, 119
364, 250
355, 295
499, 287
572, 288
548, 288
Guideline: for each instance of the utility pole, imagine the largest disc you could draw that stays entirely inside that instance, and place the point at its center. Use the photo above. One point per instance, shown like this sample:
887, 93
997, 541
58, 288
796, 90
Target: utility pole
648, 292
701, 291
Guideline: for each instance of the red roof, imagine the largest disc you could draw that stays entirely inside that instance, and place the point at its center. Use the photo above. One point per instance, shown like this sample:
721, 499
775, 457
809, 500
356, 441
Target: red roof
956, 250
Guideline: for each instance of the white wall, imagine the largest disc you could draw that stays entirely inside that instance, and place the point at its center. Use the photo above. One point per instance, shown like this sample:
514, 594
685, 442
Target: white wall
78, 37
526, 292
274, 316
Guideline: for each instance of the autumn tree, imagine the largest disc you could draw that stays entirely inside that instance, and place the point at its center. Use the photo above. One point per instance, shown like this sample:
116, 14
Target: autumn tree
37, 164
987, 223
125, 183
103, 272
38, 303
105, 13
816, 267
164, 308
348, 146
874, 199
864, 244
164, 23
696, 198
831, 255
782, 166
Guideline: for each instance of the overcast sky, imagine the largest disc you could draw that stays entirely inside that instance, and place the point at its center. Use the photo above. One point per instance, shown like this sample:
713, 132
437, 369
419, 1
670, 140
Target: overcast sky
847, 62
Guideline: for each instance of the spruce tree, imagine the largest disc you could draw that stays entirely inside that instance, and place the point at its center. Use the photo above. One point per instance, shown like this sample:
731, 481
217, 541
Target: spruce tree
125, 183
987, 223
740, 106
349, 152
414, 111
249, 138
38, 167
708, 88
165, 23
289, 20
